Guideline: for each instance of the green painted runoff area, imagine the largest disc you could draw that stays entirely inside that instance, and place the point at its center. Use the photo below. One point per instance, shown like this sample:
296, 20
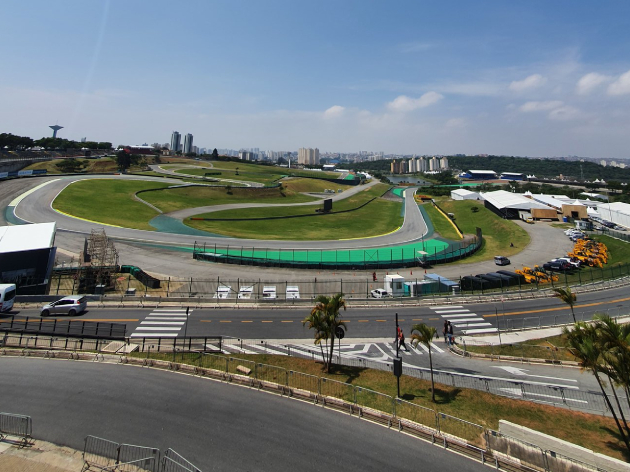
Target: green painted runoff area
398, 192
407, 252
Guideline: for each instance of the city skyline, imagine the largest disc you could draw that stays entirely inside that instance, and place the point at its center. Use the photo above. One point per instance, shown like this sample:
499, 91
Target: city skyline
520, 78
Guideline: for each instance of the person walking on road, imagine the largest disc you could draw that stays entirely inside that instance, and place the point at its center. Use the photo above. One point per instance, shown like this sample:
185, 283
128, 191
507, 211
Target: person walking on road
401, 339
445, 332
451, 337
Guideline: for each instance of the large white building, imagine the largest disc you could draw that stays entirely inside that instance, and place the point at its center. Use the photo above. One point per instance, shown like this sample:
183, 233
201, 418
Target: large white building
308, 156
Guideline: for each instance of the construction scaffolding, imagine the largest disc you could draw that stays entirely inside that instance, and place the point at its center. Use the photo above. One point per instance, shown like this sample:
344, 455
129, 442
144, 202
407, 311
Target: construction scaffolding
98, 262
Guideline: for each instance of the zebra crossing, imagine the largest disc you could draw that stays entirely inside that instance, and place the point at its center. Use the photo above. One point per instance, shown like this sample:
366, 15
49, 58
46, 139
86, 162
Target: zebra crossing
161, 323
461, 318
378, 352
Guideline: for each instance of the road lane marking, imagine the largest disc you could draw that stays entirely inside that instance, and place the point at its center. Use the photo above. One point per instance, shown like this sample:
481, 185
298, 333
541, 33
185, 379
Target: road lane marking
381, 321
518, 371
243, 321
170, 323
266, 321
461, 310
151, 328
153, 335
286, 321
363, 321
224, 321
609, 302
446, 307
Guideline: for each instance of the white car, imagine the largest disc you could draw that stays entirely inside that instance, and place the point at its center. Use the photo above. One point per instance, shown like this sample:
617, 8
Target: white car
380, 293
567, 259
71, 305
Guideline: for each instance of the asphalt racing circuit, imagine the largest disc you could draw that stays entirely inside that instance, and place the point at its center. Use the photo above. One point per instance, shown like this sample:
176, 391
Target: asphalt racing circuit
213, 423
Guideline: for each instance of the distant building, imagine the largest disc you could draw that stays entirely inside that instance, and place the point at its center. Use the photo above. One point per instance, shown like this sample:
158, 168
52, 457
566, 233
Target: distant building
512, 176
176, 140
188, 143
444, 163
479, 175
308, 156
463, 194
247, 155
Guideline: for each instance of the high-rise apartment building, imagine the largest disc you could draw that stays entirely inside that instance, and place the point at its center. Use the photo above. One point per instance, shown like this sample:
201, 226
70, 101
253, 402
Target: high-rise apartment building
188, 143
176, 140
308, 156
444, 163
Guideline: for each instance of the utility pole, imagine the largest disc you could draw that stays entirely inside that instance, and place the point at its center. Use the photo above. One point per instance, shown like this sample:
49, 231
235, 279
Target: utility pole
398, 360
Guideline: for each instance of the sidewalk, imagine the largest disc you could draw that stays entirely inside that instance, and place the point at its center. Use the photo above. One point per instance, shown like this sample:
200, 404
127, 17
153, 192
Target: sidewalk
41, 456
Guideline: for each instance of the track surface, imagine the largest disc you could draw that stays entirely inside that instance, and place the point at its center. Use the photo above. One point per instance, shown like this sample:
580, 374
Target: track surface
214, 425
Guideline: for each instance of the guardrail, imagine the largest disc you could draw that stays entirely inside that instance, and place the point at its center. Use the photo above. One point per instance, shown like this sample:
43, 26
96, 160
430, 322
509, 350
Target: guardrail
109, 456
467, 438
16, 425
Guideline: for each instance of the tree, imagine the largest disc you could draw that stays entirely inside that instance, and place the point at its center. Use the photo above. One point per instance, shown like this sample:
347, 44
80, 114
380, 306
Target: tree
228, 188
567, 296
421, 333
215, 154
324, 319
123, 160
585, 344
614, 343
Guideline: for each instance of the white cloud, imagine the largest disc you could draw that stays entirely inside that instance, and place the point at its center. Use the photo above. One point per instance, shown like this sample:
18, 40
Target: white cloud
334, 112
565, 113
533, 81
621, 86
403, 103
540, 106
589, 82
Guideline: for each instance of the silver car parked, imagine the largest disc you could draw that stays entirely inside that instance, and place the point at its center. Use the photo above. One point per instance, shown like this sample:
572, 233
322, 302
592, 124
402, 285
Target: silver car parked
71, 305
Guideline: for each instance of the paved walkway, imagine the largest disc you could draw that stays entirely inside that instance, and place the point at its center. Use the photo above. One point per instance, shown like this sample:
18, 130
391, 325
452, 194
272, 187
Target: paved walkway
41, 456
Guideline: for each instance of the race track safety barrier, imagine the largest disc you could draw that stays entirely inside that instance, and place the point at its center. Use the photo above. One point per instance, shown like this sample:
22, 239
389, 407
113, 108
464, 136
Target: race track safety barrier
16, 425
108, 456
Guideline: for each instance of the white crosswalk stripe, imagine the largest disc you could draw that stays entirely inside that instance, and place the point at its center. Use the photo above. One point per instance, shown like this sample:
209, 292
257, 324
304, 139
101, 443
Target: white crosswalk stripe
161, 323
462, 318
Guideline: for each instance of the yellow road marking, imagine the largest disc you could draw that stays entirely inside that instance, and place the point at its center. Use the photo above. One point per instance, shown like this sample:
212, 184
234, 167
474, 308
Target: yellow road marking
433, 319
284, 321
381, 321
224, 321
243, 321
420, 319
543, 310
363, 321
265, 321
206, 321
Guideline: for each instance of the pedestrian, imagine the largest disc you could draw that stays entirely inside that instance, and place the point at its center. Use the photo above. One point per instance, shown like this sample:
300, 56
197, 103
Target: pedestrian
445, 332
451, 338
401, 339
373, 276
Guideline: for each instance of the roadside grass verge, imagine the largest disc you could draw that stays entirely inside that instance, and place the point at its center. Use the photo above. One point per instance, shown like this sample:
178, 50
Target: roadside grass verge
190, 197
299, 184
587, 430
440, 223
108, 201
619, 250
552, 348
497, 232
91, 166
262, 178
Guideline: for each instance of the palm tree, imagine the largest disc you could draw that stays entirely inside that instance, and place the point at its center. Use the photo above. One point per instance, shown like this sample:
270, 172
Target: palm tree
324, 318
421, 333
568, 297
584, 345
613, 341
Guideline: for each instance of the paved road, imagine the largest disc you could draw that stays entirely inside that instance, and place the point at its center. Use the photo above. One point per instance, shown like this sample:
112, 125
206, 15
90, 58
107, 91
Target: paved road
547, 242
216, 426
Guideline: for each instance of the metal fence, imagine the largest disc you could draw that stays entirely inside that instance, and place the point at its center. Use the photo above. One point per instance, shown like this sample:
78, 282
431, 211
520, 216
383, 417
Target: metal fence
109, 456
126, 289
16, 425
470, 438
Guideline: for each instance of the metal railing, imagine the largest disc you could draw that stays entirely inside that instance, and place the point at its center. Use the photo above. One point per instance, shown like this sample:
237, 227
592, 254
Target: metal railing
16, 425
466, 437
109, 456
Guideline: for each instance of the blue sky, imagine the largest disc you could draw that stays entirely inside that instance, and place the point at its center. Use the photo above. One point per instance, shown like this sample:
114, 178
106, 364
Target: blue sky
528, 78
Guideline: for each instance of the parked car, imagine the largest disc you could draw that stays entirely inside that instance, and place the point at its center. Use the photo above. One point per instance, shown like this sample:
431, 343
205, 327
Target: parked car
557, 266
380, 293
575, 264
501, 260
71, 305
